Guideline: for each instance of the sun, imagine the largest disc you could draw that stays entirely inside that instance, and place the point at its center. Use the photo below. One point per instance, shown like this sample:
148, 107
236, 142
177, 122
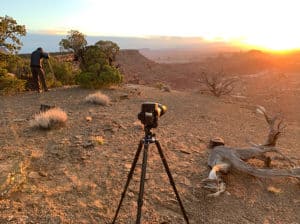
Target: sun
275, 43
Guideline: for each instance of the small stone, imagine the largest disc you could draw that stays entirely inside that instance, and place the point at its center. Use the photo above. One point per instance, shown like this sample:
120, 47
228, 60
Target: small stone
122, 127
185, 181
131, 194
124, 96
88, 144
42, 173
34, 175
128, 166
88, 118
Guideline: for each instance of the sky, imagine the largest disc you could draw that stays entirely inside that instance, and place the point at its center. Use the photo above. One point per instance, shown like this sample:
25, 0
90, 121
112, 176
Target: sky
265, 24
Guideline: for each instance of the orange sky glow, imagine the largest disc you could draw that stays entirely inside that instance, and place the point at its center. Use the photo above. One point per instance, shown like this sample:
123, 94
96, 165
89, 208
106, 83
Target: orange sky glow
268, 24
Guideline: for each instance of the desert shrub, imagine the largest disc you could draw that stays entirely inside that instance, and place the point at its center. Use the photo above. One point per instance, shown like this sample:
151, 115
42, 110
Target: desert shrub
110, 76
93, 60
3, 64
54, 117
162, 86
3, 71
15, 65
109, 48
52, 81
107, 77
159, 85
98, 98
75, 42
63, 71
11, 85
96, 71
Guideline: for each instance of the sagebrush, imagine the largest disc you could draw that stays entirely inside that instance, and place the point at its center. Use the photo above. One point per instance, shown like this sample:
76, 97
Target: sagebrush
54, 117
98, 98
11, 85
107, 77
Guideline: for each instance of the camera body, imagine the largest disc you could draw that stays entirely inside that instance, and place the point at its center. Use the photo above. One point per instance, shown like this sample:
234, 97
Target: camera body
150, 112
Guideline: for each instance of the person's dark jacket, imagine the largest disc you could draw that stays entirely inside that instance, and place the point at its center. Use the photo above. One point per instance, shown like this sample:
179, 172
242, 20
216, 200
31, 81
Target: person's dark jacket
36, 57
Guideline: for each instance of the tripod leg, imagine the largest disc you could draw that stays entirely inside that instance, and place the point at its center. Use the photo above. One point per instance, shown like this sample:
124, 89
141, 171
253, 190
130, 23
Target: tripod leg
136, 157
142, 184
171, 179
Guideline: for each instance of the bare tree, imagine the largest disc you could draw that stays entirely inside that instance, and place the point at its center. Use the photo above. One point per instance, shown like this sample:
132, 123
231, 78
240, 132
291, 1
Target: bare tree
218, 84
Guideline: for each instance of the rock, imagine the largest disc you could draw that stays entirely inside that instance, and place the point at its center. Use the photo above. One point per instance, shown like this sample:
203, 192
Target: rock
124, 97
185, 181
88, 144
109, 129
131, 194
122, 127
88, 118
34, 175
42, 174
166, 89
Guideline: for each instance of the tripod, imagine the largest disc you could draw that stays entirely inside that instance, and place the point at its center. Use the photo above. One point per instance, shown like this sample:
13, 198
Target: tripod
144, 143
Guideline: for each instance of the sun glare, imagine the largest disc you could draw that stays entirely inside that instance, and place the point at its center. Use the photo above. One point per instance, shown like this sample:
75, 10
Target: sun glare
267, 25
280, 45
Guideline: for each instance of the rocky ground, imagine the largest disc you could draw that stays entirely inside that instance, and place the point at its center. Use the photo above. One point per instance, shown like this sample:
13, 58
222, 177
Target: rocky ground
65, 176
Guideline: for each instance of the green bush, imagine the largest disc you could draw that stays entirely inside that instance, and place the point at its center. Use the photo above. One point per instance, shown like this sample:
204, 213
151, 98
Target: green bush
14, 64
63, 71
107, 77
3, 71
93, 60
3, 64
11, 85
51, 81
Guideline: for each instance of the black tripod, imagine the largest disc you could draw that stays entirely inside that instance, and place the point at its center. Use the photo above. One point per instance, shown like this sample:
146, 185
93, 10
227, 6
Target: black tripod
146, 141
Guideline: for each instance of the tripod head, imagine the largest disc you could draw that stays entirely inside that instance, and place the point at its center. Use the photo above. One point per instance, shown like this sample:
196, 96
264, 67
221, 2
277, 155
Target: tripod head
150, 112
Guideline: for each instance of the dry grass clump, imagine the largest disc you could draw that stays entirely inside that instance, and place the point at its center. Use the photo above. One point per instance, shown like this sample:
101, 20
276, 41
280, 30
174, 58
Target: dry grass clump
54, 117
98, 98
98, 139
163, 87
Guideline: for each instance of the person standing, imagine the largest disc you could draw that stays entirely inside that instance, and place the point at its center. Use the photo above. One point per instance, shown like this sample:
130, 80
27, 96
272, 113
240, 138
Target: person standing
37, 69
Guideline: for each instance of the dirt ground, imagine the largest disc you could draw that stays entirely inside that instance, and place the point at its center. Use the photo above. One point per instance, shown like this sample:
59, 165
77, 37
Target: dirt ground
61, 176
64, 176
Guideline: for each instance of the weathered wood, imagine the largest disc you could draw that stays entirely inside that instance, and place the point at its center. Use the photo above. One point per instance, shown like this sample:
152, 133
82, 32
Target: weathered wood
221, 158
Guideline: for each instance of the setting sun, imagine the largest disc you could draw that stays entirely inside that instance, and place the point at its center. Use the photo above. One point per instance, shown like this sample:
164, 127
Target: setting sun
276, 44
267, 25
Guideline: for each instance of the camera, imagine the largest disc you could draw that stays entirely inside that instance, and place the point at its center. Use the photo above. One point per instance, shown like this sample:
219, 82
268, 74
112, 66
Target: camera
150, 112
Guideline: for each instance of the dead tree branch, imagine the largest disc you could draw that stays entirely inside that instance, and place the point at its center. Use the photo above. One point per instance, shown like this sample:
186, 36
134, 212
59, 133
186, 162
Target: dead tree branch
222, 158
218, 84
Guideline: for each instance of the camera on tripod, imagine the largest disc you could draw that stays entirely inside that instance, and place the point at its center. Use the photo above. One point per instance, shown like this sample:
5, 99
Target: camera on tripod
149, 115
150, 112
